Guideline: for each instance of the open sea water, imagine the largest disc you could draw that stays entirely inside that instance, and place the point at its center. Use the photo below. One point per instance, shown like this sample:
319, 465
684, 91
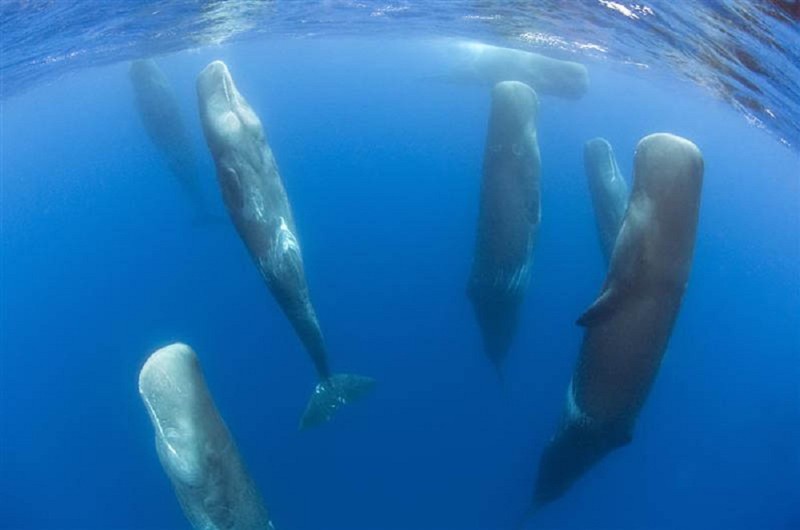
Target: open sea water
103, 260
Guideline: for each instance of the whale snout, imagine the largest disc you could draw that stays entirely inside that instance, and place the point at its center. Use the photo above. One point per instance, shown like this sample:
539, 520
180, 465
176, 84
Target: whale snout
174, 392
597, 149
170, 383
142, 69
515, 103
226, 116
214, 75
670, 167
215, 85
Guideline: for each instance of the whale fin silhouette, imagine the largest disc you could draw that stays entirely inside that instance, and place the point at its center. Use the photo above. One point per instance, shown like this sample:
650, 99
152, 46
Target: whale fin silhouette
330, 394
529, 515
601, 309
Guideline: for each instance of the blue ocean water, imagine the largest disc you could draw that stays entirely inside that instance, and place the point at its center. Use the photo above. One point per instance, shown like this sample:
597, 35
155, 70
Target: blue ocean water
103, 262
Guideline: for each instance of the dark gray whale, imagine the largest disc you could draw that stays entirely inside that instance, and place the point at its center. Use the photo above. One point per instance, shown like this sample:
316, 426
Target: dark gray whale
253, 192
509, 216
629, 325
158, 108
194, 446
608, 190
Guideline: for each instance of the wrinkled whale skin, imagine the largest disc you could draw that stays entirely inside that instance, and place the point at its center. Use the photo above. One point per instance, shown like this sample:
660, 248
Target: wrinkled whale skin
195, 447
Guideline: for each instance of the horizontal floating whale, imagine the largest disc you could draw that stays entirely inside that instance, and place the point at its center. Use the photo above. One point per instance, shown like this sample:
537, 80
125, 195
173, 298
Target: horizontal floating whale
509, 216
195, 447
628, 326
158, 108
256, 200
484, 64
608, 190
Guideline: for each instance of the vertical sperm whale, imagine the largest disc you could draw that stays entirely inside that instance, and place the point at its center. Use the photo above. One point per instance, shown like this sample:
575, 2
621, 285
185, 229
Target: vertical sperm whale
158, 109
608, 191
508, 218
256, 200
627, 328
195, 447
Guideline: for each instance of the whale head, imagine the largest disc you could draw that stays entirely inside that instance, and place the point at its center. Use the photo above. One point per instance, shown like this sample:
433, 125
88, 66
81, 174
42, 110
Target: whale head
597, 151
229, 123
145, 70
174, 392
669, 171
514, 108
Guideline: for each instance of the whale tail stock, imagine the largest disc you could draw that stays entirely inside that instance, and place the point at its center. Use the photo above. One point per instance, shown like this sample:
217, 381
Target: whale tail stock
331, 393
530, 513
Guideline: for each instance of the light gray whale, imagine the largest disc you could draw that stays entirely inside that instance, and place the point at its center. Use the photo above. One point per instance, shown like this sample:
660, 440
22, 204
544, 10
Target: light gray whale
195, 447
628, 326
508, 218
608, 190
253, 192
484, 64
158, 109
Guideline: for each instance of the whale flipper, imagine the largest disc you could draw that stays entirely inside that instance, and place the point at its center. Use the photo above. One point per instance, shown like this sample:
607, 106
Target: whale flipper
601, 309
330, 394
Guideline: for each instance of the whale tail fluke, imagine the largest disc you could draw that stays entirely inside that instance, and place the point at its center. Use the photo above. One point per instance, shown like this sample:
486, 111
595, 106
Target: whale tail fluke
331, 394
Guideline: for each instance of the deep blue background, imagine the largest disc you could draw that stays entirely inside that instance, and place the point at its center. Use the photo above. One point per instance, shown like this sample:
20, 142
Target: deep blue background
102, 263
